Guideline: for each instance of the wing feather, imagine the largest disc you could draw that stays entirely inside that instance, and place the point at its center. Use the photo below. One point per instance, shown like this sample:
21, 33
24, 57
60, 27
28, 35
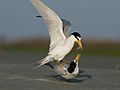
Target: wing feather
54, 23
66, 26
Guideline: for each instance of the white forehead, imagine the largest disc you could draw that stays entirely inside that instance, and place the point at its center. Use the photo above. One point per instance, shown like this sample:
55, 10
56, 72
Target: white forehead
79, 38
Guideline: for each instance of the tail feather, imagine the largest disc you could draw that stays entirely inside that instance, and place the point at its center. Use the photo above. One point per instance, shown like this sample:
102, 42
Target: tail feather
44, 61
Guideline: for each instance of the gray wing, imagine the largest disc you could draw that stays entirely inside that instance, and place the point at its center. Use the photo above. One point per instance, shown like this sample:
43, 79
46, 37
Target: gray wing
66, 26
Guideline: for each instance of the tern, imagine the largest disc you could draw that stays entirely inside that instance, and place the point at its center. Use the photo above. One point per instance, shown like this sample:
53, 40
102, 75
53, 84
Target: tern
67, 70
60, 43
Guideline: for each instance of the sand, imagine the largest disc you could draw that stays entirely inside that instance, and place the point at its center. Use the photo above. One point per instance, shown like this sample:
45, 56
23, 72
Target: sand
96, 73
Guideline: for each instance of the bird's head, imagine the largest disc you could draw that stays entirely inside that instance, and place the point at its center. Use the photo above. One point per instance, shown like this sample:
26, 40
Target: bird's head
77, 37
74, 64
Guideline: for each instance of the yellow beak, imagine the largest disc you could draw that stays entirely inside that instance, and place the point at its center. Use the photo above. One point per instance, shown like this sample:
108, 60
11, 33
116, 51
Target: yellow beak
77, 57
79, 43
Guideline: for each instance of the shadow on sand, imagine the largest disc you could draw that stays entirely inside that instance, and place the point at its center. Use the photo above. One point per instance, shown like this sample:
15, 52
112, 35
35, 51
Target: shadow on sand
80, 78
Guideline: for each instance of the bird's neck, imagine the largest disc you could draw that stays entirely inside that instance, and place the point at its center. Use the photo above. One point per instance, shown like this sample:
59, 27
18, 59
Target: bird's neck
71, 39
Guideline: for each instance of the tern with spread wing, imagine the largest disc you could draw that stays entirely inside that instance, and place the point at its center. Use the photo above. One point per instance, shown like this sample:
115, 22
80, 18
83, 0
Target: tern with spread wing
60, 43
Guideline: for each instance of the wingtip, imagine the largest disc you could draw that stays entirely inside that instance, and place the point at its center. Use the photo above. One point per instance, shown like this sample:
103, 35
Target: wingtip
37, 67
39, 16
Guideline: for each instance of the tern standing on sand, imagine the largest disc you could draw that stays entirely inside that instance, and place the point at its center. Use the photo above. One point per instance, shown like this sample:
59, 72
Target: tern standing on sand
60, 44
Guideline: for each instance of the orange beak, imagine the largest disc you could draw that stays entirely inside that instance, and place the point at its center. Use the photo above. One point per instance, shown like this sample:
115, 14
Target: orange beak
79, 43
78, 57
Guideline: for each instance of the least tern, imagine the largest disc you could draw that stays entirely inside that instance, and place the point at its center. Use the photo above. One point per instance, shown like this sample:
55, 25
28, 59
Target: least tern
60, 44
67, 70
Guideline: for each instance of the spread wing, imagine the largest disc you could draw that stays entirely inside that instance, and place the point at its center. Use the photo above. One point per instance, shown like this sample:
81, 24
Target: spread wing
66, 26
54, 23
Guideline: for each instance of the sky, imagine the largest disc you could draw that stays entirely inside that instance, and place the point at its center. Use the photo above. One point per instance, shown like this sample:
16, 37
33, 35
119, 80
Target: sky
98, 19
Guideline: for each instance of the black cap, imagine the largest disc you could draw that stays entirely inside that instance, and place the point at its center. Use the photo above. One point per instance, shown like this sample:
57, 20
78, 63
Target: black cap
76, 34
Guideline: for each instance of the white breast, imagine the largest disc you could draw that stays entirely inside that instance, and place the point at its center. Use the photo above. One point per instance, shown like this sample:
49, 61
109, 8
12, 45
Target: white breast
61, 49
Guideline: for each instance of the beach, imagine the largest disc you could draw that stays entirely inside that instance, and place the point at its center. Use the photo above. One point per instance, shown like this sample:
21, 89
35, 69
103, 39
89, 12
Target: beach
96, 73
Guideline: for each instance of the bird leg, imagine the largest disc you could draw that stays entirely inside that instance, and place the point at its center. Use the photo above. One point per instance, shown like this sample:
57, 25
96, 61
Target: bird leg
59, 63
66, 62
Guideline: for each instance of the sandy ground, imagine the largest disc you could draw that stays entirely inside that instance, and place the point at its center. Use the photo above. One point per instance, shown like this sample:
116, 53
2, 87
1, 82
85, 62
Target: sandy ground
17, 73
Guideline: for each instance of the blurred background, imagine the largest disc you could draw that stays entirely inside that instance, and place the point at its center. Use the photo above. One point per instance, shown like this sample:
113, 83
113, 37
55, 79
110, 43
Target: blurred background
98, 22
